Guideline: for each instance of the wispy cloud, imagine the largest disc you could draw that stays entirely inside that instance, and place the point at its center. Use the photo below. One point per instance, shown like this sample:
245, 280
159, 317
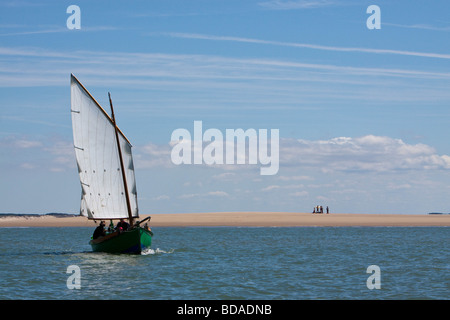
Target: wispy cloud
51, 67
27, 119
162, 197
19, 4
43, 153
294, 178
205, 194
419, 26
310, 46
271, 188
297, 4
57, 29
25, 144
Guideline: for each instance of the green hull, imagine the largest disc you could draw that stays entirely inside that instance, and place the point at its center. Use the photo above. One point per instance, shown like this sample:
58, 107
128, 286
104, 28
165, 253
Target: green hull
132, 241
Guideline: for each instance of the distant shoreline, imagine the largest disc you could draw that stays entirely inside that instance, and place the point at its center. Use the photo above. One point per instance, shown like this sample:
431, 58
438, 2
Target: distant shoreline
237, 219
31, 215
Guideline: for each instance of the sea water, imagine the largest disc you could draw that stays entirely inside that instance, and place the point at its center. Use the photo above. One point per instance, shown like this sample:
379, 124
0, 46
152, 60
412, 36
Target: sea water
230, 263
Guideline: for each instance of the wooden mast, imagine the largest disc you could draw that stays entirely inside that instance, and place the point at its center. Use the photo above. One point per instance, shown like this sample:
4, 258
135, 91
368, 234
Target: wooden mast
124, 178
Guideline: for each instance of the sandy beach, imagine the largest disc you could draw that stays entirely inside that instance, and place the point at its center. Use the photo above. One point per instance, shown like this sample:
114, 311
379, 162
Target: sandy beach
244, 219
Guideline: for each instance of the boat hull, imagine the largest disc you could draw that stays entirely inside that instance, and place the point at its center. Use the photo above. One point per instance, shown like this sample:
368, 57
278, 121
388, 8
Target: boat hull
133, 241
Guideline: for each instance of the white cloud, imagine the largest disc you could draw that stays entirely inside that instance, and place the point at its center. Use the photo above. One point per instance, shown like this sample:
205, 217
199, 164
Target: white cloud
188, 196
218, 193
62, 155
392, 186
206, 194
299, 194
27, 144
295, 178
162, 197
27, 166
367, 153
47, 153
269, 188
152, 155
15, 142
226, 176
342, 154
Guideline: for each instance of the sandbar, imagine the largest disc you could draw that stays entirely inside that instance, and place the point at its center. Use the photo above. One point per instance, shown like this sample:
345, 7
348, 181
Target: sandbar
244, 219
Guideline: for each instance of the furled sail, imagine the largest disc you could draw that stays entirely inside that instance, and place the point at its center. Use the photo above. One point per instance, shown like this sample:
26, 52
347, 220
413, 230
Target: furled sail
102, 186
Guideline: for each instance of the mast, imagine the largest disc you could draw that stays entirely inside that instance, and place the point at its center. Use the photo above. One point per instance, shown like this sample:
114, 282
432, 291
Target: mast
125, 186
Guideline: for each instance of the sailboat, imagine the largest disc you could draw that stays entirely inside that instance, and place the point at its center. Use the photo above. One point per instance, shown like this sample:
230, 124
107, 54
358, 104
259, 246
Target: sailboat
105, 167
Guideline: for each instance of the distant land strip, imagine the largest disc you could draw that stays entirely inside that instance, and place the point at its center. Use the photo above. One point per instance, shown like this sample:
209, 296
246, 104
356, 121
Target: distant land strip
238, 219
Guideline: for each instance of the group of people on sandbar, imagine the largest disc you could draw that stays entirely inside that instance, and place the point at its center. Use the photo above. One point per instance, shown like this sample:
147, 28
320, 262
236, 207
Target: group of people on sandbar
319, 209
100, 231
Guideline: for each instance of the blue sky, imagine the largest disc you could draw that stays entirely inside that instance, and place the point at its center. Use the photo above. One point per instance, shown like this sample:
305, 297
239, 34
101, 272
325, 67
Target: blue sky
363, 114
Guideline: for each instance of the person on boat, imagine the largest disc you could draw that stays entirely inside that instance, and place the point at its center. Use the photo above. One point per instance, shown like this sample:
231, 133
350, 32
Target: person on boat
146, 227
122, 225
111, 227
99, 231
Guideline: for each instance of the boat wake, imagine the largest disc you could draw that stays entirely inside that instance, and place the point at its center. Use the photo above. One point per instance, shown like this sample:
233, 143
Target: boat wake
150, 251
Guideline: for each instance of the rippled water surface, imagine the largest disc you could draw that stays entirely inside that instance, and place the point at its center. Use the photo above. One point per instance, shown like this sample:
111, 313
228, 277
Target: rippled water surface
230, 263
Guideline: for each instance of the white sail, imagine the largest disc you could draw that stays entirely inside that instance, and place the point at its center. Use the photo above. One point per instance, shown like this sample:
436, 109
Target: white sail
103, 190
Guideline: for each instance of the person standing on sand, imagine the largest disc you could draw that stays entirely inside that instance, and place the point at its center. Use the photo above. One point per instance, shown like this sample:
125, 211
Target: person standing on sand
328, 210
